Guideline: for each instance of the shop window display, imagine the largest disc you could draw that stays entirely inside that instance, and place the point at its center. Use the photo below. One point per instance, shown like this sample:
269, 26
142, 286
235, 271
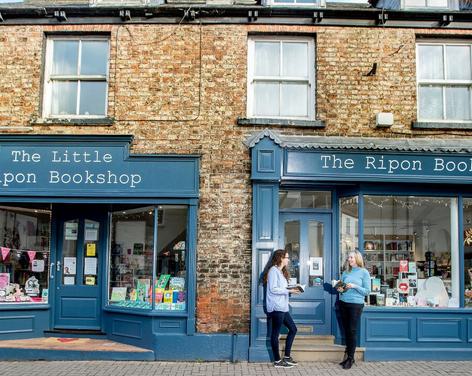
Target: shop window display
467, 210
349, 231
411, 250
24, 258
135, 251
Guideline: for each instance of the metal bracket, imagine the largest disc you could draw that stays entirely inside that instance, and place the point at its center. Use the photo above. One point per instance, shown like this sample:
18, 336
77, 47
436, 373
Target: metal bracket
125, 15
446, 19
60, 15
317, 17
252, 15
190, 15
382, 19
1, 18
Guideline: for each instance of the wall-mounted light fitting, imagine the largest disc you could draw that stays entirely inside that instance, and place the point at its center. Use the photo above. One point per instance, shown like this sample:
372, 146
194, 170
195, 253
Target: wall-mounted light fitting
60, 15
125, 15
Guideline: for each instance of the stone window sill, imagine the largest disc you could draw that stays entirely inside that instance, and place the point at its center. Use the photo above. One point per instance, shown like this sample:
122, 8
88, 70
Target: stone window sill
106, 121
441, 125
264, 122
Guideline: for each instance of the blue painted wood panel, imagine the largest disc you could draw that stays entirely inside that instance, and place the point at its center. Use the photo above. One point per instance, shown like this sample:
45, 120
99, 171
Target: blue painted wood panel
21, 323
17, 324
469, 330
394, 329
441, 329
127, 328
265, 212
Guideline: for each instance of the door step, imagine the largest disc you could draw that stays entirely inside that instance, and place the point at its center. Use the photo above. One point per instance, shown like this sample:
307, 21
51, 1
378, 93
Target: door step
318, 349
74, 333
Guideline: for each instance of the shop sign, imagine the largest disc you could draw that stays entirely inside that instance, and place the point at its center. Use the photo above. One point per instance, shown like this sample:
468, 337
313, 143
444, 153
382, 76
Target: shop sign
368, 166
88, 170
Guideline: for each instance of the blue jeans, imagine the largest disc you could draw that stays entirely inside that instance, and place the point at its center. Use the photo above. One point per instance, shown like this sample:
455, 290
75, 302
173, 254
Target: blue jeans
278, 318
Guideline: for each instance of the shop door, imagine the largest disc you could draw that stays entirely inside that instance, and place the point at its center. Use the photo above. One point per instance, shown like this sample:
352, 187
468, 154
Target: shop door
307, 238
78, 277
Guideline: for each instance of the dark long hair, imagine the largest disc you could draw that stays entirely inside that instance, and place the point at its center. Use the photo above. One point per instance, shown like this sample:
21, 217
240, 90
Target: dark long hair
277, 258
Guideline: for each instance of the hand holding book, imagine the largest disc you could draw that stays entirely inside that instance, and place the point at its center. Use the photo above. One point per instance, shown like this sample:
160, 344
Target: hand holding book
339, 285
299, 288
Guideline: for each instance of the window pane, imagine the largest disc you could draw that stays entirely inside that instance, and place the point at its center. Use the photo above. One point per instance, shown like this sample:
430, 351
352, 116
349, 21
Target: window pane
415, 3
292, 246
304, 199
131, 258
92, 98
458, 62
437, 3
267, 59
409, 250
94, 59
430, 102
349, 232
24, 258
430, 62
316, 246
70, 235
64, 98
468, 252
294, 101
266, 99
457, 103
172, 251
295, 59
65, 57
91, 242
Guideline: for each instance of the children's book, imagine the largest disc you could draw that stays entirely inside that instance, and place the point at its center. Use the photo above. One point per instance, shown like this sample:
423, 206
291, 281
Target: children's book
162, 281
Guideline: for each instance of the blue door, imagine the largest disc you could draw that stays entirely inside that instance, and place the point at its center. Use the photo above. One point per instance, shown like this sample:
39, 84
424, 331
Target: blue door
78, 278
307, 238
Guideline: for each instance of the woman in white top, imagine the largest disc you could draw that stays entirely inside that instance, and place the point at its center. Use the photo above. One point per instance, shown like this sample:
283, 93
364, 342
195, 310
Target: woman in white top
277, 307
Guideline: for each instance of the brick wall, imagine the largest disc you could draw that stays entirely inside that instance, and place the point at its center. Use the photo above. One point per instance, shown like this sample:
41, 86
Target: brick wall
179, 89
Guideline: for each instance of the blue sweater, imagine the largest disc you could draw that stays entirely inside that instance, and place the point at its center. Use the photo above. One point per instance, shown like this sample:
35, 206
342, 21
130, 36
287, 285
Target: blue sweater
359, 277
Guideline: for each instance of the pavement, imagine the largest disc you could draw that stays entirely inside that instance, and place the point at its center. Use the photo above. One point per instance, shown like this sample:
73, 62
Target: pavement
152, 368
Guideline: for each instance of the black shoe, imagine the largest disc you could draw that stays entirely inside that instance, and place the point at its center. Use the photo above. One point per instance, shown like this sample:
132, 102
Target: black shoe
282, 364
289, 360
341, 363
349, 362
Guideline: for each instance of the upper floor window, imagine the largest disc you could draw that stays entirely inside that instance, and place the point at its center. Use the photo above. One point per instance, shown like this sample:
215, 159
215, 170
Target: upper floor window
444, 79
297, 2
426, 4
281, 78
76, 76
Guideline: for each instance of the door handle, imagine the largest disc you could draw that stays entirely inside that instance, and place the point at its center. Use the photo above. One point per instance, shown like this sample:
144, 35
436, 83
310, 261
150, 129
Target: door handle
51, 269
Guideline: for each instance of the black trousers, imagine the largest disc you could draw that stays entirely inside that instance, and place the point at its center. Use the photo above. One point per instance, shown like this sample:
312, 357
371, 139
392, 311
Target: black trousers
277, 319
350, 316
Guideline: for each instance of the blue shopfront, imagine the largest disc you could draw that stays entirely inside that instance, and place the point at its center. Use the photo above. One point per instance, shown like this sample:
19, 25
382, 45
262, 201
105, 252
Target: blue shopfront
406, 204
99, 241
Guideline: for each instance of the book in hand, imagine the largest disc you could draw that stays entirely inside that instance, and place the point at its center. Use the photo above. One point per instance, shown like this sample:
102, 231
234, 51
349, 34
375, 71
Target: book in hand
338, 285
298, 287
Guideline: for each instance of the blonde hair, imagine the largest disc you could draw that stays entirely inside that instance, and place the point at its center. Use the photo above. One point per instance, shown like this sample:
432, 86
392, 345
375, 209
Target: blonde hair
357, 257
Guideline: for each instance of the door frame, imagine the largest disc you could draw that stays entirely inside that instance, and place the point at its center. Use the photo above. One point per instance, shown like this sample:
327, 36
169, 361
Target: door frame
57, 220
326, 217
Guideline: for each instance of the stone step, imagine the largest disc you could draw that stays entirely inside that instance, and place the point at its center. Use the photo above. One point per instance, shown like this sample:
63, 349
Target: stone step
308, 352
311, 339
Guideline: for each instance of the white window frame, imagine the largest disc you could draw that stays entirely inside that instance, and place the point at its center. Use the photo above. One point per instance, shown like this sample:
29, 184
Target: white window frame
49, 78
443, 82
121, 2
316, 3
310, 81
451, 5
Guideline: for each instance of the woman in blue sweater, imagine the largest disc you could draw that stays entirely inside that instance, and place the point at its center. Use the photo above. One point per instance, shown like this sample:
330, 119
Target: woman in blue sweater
351, 302
277, 296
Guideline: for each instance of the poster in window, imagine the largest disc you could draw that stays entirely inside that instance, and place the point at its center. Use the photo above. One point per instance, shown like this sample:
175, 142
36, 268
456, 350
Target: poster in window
37, 266
90, 266
316, 266
70, 265
91, 249
71, 231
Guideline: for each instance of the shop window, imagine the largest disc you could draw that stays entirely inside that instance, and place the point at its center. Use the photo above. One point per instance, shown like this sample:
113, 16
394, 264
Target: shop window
76, 77
304, 200
24, 258
411, 250
444, 77
349, 231
281, 77
135, 251
467, 228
